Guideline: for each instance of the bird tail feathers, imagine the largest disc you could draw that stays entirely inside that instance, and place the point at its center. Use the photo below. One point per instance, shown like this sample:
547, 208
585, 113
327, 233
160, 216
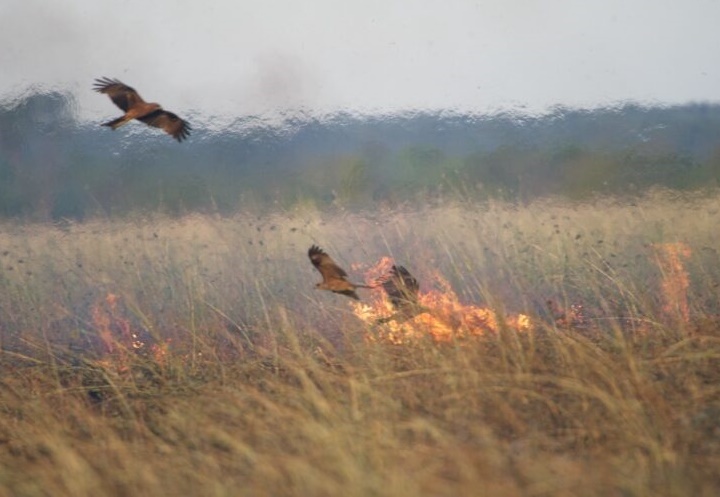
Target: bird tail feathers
116, 123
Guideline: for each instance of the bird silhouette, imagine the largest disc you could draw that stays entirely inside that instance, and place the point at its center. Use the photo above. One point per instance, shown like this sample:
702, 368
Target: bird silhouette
402, 289
334, 277
129, 101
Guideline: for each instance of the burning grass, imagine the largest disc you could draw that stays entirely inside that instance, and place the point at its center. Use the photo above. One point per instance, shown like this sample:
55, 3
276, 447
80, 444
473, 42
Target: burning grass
444, 317
193, 357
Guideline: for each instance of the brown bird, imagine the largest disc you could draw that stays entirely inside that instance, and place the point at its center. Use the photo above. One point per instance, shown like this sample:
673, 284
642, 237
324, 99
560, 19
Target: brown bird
402, 289
334, 277
135, 107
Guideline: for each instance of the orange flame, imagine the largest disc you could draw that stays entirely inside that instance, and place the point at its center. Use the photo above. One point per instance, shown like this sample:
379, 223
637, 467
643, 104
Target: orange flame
120, 340
447, 318
113, 329
675, 281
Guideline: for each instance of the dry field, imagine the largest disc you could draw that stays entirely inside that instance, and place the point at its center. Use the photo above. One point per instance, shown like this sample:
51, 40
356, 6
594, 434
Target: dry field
575, 350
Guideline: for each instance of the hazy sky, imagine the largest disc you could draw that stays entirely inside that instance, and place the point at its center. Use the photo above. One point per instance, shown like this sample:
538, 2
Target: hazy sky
255, 57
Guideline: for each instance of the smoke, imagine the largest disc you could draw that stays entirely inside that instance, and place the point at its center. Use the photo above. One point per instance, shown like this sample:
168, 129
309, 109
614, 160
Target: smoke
249, 58
281, 81
43, 43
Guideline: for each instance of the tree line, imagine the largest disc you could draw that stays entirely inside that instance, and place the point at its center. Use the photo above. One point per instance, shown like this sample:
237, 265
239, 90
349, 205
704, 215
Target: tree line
54, 166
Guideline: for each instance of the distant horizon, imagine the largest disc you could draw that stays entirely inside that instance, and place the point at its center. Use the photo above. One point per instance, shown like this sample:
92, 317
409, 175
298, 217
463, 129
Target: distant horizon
56, 166
279, 117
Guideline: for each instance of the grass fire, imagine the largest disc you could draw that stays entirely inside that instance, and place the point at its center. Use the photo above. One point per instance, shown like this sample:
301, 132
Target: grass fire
557, 349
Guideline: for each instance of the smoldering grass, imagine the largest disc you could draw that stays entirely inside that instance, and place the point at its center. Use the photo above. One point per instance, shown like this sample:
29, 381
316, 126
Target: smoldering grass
185, 356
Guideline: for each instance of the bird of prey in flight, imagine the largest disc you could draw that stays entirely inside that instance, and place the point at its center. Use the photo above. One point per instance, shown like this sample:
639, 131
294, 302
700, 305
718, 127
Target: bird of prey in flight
128, 100
402, 289
334, 277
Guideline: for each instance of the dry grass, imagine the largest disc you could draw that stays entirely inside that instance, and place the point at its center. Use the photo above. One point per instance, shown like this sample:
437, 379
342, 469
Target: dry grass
193, 357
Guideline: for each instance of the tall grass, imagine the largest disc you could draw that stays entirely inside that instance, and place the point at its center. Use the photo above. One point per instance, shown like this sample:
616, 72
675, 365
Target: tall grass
194, 357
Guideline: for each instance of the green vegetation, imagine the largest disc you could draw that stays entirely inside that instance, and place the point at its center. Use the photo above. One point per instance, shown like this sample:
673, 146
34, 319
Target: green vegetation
54, 167
191, 356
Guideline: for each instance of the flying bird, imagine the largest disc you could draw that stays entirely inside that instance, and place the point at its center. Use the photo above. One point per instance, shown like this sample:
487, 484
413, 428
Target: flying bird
135, 107
334, 277
402, 289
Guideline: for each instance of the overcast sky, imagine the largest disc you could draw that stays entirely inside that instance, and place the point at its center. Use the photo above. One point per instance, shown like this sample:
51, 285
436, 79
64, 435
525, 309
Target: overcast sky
254, 57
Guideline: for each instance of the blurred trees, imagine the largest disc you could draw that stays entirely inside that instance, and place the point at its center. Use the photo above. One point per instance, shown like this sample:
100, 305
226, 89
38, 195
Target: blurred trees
52, 166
